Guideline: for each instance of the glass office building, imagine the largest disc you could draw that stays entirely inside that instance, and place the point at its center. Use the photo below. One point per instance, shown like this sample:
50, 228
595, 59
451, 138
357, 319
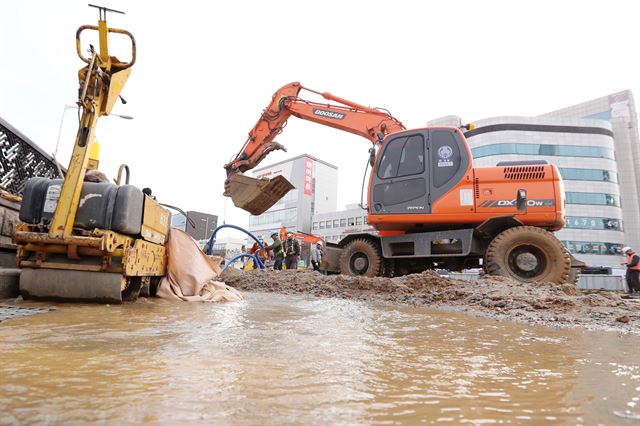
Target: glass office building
316, 190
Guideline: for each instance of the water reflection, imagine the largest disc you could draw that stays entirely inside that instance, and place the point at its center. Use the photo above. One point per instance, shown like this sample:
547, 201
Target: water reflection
275, 359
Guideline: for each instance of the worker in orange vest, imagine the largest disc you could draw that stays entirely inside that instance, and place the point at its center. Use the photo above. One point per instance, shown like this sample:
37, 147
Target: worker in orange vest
633, 270
262, 254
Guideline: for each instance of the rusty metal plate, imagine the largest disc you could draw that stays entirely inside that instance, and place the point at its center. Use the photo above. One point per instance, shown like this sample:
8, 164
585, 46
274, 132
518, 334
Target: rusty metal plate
10, 312
155, 222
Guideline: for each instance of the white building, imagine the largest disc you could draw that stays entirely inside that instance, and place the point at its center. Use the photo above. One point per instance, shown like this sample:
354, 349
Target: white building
316, 191
334, 226
228, 247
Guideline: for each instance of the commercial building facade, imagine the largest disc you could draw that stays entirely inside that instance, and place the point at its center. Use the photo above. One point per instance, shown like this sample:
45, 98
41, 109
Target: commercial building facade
316, 189
200, 227
619, 111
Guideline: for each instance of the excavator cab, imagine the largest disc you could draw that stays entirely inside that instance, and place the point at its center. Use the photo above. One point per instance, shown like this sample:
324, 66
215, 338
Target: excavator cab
417, 167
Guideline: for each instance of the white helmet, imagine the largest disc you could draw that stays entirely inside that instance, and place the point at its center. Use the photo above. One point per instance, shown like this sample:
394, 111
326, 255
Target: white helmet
319, 243
626, 249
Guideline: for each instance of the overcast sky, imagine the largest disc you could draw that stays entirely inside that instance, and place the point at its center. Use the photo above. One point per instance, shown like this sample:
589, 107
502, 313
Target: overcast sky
206, 70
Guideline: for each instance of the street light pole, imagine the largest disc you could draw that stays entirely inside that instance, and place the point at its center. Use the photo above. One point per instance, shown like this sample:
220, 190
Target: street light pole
55, 153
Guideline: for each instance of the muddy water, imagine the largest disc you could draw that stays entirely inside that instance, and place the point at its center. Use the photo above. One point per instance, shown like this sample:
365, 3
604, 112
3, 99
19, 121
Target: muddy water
275, 359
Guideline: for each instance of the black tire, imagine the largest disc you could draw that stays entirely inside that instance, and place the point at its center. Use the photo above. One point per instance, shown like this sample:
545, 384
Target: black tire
388, 268
529, 254
574, 276
145, 290
132, 290
361, 258
574, 273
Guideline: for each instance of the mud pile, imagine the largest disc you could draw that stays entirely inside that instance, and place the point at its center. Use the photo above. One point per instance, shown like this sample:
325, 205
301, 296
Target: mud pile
496, 297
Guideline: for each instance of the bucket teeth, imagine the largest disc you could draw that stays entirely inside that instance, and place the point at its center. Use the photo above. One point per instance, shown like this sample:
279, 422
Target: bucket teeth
256, 195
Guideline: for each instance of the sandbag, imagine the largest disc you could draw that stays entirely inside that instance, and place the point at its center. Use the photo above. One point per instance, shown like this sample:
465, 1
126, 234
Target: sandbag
191, 274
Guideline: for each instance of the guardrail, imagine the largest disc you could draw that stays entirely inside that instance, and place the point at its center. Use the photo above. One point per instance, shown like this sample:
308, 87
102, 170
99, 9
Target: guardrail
21, 159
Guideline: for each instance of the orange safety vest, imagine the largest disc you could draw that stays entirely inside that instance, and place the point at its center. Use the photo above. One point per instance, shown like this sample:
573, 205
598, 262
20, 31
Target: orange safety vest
630, 259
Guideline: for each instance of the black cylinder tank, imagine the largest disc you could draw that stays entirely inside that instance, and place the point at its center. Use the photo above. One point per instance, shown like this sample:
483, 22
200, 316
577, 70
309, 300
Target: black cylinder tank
101, 205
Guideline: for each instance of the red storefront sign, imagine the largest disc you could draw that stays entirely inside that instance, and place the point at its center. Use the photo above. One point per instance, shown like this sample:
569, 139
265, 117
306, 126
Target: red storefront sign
308, 176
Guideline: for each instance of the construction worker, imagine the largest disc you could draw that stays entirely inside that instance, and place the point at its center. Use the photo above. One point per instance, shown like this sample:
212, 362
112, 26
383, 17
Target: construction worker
262, 254
292, 252
316, 256
278, 252
633, 270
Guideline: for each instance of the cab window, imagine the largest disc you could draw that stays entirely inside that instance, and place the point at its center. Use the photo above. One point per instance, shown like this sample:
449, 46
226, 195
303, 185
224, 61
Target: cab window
403, 156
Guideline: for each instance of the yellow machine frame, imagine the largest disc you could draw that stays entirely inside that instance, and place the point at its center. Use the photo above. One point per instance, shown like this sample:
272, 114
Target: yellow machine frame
101, 83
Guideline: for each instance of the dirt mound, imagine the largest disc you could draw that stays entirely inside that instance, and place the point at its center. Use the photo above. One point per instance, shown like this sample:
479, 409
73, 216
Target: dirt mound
496, 297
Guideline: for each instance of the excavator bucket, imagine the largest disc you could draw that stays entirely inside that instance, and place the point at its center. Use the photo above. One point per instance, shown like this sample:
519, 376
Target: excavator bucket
256, 195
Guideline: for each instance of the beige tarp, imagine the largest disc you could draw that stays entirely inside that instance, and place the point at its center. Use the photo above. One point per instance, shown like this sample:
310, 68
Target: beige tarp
191, 274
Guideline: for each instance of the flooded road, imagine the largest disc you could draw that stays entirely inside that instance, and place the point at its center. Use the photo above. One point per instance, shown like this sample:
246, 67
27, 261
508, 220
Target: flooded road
277, 359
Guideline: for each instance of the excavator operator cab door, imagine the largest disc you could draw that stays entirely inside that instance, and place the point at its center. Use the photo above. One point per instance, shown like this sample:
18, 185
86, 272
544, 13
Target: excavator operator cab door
415, 168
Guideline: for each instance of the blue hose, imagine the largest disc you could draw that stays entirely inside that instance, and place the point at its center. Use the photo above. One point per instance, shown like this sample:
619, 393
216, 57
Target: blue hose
256, 259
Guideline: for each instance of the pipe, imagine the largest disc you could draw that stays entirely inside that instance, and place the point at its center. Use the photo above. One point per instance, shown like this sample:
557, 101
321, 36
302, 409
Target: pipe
254, 257
212, 239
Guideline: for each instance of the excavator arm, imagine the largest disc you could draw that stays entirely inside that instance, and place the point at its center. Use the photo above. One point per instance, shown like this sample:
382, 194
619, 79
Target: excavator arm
257, 195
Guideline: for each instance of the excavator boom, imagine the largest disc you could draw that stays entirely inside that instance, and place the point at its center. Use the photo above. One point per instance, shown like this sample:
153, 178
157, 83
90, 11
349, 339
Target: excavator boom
258, 195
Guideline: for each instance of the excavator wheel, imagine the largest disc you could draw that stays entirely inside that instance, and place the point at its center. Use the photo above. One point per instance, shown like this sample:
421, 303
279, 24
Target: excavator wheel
574, 276
574, 273
361, 258
529, 254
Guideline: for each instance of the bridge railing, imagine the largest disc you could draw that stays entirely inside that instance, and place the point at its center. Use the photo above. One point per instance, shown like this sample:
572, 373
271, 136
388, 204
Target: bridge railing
21, 159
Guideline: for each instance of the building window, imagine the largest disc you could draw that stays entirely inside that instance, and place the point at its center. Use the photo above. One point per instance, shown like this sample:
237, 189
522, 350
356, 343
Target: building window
590, 247
336, 223
589, 174
315, 226
351, 222
542, 149
321, 224
358, 220
274, 217
584, 222
328, 224
343, 222
593, 198
290, 197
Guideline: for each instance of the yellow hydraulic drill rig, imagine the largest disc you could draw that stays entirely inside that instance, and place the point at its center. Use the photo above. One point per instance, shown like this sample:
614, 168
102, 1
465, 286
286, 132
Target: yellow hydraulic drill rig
91, 241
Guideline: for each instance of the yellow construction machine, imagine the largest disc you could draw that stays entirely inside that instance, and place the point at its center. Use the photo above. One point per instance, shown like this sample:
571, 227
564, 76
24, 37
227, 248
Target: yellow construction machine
91, 241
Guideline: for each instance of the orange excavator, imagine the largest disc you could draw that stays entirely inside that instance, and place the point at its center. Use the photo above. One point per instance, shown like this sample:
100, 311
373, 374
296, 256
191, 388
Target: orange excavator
301, 236
431, 207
